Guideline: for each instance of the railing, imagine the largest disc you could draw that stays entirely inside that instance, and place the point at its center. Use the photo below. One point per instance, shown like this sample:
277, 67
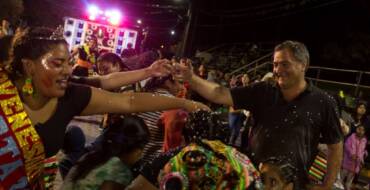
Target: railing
356, 85
253, 64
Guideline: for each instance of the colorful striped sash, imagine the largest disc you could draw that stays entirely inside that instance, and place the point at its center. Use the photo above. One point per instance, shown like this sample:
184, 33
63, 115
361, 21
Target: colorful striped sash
21, 149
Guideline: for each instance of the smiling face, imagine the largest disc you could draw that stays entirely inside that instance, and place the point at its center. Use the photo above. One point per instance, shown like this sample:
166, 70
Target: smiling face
50, 72
288, 71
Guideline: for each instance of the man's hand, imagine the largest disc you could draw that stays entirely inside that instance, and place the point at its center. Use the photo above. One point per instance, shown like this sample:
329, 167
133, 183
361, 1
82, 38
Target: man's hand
183, 70
160, 68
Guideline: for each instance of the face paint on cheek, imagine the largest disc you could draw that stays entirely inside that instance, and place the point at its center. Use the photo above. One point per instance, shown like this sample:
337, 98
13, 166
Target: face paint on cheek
47, 82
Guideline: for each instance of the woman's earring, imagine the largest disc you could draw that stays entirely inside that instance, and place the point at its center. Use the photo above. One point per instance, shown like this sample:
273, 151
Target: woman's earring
27, 87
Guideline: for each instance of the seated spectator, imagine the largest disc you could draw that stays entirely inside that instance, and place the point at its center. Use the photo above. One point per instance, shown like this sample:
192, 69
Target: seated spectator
278, 174
109, 166
73, 149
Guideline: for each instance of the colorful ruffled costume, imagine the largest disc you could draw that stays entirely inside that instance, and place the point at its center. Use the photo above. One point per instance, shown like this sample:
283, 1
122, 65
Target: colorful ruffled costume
216, 167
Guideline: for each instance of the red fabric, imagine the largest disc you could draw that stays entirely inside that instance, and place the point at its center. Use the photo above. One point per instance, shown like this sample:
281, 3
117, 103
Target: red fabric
173, 122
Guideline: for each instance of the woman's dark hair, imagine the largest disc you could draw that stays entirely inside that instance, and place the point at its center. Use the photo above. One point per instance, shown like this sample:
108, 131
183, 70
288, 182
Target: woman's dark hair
156, 82
358, 104
205, 125
123, 136
286, 168
5, 45
142, 60
32, 43
114, 59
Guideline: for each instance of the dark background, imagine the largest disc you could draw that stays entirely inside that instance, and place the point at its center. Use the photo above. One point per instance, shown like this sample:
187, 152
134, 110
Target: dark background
337, 32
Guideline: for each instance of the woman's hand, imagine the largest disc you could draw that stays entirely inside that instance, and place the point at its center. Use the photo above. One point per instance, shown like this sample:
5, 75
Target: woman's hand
160, 68
195, 106
183, 70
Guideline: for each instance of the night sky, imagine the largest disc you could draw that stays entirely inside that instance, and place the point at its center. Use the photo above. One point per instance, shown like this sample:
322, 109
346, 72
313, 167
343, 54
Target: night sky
337, 32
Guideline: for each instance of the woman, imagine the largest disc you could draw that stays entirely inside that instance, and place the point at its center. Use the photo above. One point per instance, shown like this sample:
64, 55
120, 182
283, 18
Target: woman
359, 116
113, 75
37, 103
109, 167
165, 86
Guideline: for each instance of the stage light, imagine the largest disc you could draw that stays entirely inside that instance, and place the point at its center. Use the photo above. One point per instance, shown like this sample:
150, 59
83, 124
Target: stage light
108, 13
92, 17
114, 17
172, 32
139, 21
93, 10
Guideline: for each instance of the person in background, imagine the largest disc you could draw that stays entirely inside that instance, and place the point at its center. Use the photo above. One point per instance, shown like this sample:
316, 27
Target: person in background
73, 149
87, 55
113, 75
354, 155
278, 174
173, 122
108, 168
164, 86
128, 52
360, 117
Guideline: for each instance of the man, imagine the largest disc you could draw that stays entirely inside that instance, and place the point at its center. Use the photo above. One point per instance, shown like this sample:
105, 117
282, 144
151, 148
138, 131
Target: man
128, 52
87, 55
291, 116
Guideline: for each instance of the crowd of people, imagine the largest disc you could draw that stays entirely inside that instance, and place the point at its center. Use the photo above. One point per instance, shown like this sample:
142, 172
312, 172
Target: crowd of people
164, 124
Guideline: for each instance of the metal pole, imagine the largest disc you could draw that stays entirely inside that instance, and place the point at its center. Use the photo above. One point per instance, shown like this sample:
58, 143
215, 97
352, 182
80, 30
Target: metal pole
317, 76
358, 83
189, 30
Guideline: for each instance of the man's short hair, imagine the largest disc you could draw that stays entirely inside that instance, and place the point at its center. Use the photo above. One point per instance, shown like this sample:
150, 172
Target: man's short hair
298, 50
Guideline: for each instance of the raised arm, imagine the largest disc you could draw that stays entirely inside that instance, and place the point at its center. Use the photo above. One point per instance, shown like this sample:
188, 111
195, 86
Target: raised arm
211, 91
106, 102
116, 80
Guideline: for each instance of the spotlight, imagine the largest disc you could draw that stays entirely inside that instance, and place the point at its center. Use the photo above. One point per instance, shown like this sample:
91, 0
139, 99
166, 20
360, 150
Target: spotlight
172, 32
114, 17
93, 10
92, 17
139, 21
